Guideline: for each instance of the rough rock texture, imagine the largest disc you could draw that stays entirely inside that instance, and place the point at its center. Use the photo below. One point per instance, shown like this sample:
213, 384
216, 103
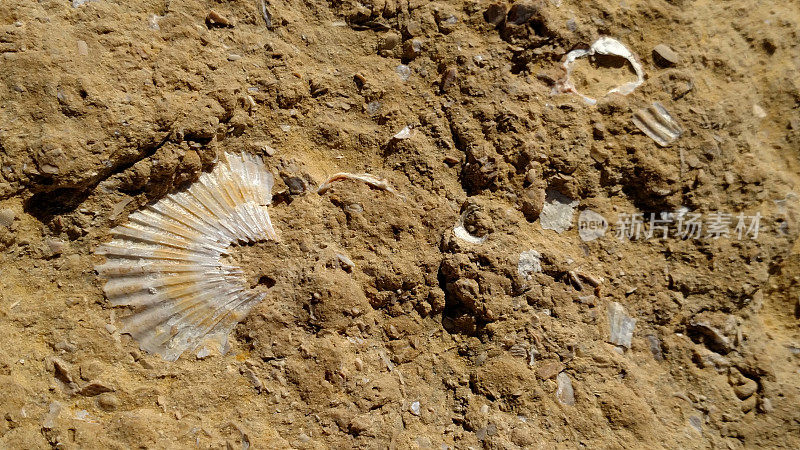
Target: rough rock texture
108, 105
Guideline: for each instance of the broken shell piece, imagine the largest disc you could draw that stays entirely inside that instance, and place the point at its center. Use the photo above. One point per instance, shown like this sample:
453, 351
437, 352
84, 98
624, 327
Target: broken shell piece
621, 325
167, 260
557, 212
657, 124
370, 180
405, 133
462, 232
602, 46
530, 262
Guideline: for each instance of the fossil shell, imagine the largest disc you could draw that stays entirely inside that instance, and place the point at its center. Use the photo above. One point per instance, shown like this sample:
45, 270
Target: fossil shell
656, 122
167, 260
603, 46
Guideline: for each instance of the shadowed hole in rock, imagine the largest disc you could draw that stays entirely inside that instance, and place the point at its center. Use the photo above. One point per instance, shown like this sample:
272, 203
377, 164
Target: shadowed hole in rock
44, 205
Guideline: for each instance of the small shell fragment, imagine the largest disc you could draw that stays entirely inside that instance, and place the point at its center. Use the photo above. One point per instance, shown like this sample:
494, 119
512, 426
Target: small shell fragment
657, 124
460, 232
370, 180
167, 260
557, 212
621, 325
530, 262
405, 133
464, 235
603, 46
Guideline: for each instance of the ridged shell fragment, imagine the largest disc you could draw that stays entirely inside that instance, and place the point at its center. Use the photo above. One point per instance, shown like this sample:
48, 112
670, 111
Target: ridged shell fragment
656, 122
167, 260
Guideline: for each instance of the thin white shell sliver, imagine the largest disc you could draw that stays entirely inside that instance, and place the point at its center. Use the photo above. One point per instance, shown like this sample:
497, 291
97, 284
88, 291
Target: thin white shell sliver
166, 261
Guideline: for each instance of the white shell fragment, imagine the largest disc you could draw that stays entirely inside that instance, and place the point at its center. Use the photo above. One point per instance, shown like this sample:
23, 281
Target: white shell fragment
657, 124
621, 325
370, 180
464, 235
167, 260
460, 232
530, 262
557, 212
403, 134
603, 46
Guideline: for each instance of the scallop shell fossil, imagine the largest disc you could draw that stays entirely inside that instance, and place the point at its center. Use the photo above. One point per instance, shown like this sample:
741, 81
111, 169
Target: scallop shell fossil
168, 260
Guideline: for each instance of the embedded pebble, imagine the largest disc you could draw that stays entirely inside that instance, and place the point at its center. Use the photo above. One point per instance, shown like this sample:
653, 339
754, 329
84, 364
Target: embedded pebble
549, 370
77, 3
665, 56
7, 217
49, 169
565, 394
521, 12
203, 353
215, 19
296, 185
415, 408
108, 401
412, 48
373, 107
621, 325
449, 78
56, 246
715, 339
696, 423
49, 419
572, 25
83, 48
66, 347
655, 347
414, 29
447, 23
389, 41
92, 389
403, 71
495, 13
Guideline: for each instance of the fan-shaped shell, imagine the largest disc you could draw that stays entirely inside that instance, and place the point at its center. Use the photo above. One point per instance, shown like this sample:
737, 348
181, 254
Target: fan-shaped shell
167, 259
